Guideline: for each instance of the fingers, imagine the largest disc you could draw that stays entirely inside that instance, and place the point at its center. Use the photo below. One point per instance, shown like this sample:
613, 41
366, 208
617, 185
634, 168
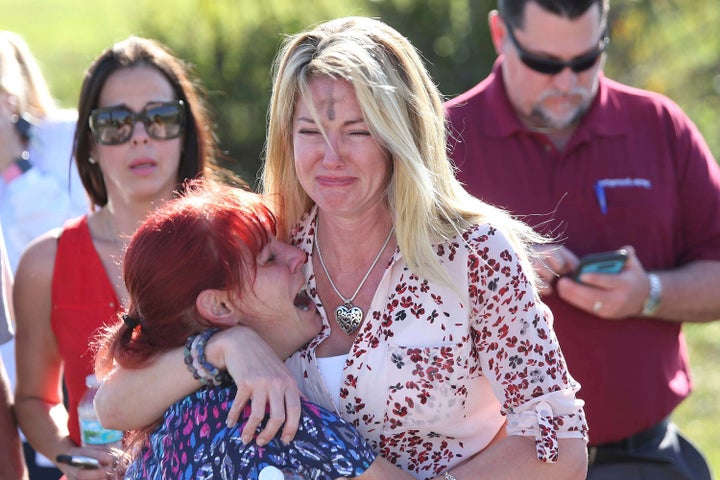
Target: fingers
550, 263
274, 421
284, 412
257, 414
264, 381
236, 409
106, 470
609, 296
293, 411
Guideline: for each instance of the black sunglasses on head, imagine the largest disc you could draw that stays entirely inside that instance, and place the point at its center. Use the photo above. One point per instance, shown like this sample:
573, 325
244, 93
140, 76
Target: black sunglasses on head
551, 66
115, 125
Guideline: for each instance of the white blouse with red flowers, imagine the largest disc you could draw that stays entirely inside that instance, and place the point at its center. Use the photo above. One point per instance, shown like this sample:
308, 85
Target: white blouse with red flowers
432, 377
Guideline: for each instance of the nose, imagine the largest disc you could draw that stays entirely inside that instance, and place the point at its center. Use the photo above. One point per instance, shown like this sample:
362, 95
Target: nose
292, 256
565, 80
139, 133
331, 156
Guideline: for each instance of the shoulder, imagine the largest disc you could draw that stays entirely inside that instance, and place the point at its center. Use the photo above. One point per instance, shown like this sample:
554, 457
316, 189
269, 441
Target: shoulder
488, 237
53, 139
479, 93
58, 125
32, 288
38, 259
637, 101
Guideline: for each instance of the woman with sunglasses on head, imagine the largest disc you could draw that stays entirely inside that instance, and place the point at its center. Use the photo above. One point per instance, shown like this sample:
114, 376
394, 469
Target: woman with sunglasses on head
141, 132
241, 275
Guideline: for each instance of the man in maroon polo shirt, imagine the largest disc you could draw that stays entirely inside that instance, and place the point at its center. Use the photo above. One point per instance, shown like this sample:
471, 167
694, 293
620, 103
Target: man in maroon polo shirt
601, 166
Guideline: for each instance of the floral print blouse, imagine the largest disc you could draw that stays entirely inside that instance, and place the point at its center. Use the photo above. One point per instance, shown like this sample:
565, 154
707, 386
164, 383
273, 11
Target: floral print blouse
435, 371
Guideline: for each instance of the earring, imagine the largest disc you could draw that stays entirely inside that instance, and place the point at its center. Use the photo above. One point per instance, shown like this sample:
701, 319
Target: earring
22, 126
91, 161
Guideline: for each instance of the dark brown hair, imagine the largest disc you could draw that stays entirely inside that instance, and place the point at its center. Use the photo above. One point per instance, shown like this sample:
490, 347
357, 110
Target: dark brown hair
513, 11
199, 143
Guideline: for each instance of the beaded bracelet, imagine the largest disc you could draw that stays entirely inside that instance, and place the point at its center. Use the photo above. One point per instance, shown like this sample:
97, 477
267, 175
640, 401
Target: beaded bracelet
449, 476
195, 361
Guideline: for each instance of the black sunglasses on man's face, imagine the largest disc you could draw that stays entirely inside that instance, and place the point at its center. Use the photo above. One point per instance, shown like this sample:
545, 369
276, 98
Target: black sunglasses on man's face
550, 66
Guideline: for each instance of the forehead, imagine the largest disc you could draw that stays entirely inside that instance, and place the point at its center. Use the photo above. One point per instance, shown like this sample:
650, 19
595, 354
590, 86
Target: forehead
329, 94
135, 87
545, 33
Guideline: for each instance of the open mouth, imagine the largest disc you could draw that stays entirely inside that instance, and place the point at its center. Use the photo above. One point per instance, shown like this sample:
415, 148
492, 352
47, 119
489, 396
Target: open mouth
303, 301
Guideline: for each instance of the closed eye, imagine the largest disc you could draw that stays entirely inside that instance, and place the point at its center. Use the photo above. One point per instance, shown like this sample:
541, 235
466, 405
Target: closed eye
308, 131
363, 133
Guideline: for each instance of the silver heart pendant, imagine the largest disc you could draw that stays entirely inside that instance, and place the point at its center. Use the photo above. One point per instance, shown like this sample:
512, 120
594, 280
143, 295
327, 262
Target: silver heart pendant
349, 317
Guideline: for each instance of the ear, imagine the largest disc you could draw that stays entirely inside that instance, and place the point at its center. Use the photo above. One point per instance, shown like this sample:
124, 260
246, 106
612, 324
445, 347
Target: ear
497, 30
216, 307
8, 104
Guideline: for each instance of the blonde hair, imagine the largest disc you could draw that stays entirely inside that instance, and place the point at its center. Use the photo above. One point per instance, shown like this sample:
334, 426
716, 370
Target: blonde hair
404, 111
21, 77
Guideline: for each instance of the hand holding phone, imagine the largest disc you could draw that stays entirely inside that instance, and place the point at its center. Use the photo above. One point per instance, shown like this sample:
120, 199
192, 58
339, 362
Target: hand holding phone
603, 262
80, 461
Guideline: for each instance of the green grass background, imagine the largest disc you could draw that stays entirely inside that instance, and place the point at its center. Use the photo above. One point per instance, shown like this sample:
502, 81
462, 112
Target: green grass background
66, 35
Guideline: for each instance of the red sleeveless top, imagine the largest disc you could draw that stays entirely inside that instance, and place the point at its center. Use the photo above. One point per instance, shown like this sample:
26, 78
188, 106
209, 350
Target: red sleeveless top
83, 299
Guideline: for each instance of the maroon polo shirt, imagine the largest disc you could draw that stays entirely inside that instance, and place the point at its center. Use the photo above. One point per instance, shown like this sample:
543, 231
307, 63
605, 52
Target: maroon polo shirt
636, 172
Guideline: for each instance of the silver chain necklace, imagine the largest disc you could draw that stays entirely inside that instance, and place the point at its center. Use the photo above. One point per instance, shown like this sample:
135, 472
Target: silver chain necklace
349, 316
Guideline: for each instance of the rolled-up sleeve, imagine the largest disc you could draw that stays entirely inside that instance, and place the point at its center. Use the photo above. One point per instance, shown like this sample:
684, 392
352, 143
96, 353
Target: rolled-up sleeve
519, 352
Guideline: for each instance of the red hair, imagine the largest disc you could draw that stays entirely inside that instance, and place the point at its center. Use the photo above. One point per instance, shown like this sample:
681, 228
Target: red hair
207, 238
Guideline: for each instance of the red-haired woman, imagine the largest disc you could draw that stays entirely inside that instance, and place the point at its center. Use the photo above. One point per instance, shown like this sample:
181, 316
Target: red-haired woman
240, 275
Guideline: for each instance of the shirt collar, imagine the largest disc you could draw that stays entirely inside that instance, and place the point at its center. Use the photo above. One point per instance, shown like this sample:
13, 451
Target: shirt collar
604, 117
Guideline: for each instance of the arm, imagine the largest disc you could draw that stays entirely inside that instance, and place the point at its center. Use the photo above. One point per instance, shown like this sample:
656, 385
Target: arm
39, 401
689, 292
259, 374
39, 406
520, 356
381, 469
519, 451
12, 462
123, 389
6, 281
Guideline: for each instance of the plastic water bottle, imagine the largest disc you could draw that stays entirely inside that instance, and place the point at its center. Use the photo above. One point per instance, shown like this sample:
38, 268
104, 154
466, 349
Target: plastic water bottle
274, 473
92, 433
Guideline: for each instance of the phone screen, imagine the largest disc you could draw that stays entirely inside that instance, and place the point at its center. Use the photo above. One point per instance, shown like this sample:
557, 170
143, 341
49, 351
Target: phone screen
604, 262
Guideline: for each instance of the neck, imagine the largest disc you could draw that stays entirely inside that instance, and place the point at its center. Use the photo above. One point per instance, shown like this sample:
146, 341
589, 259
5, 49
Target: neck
560, 138
352, 242
128, 213
279, 345
12, 148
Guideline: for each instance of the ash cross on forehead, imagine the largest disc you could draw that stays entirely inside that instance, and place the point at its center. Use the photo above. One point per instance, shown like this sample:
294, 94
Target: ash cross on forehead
331, 108
330, 101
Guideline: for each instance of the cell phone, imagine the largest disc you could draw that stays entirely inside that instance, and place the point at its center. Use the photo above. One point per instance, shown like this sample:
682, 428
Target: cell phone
603, 262
80, 461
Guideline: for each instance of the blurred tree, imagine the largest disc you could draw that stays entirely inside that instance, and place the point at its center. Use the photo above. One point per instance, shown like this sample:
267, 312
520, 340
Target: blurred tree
452, 34
663, 45
232, 44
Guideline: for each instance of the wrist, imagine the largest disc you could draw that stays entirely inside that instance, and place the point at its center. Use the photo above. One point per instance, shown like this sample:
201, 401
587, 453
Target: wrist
652, 302
214, 350
197, 362
228, 340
